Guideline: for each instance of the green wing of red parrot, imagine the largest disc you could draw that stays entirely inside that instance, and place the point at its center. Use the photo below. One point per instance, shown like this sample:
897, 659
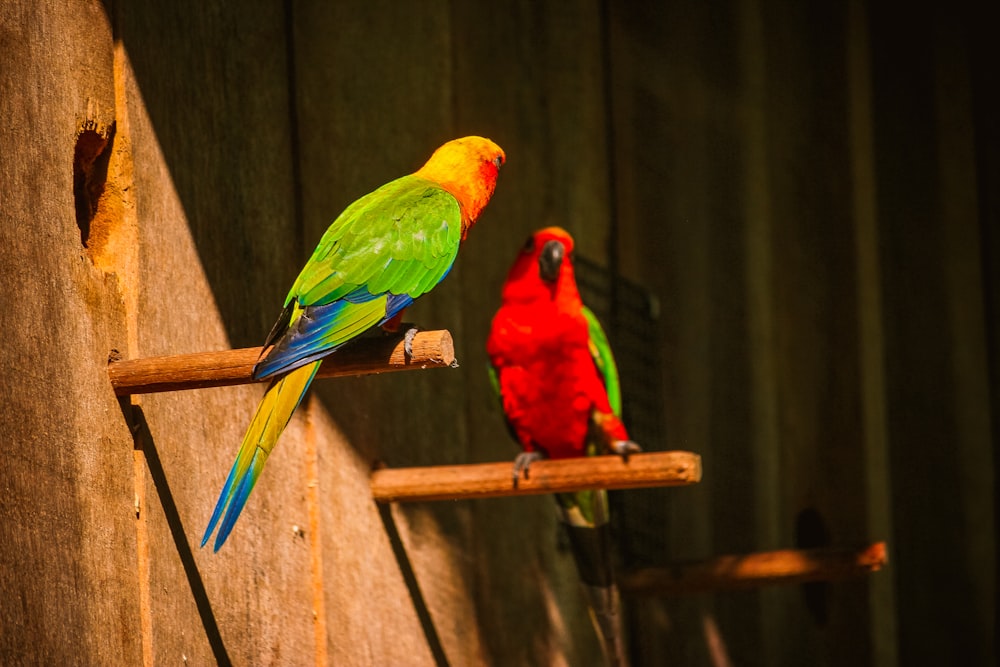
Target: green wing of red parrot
600, 351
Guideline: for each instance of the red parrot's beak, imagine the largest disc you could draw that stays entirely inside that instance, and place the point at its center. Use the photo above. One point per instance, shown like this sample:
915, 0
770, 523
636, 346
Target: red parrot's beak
550, 260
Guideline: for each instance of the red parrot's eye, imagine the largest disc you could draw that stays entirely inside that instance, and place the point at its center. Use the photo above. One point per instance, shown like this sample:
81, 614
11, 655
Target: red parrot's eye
529, 245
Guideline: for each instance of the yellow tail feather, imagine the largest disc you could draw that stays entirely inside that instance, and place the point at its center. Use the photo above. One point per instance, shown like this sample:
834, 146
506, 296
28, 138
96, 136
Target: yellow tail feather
273, 413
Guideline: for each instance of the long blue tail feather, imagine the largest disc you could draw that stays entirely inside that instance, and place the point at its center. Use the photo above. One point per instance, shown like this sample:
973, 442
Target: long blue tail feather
330, 326
272, 416
239, 499
220, 503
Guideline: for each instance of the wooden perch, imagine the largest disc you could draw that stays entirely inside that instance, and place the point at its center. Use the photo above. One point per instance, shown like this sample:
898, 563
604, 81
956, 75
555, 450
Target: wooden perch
363, 356
767, 568
490, 480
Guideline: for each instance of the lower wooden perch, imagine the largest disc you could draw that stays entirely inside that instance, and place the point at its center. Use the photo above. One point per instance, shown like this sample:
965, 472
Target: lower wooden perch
490, 480
364, 356
767, 568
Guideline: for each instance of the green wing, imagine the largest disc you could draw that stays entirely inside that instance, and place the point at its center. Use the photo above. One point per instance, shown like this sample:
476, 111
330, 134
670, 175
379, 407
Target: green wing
399, 239
600, 350
381, 253
494, 379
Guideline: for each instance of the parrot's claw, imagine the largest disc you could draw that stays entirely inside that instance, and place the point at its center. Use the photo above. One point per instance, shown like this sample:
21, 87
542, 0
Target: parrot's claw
625, 447
522, 462
411, 333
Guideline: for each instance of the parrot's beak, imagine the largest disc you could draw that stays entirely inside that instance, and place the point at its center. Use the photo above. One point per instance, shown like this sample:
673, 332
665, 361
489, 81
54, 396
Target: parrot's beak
550, 260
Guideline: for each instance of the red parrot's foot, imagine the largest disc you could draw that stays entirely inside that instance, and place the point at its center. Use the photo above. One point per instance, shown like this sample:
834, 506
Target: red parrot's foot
522, 462
625, 447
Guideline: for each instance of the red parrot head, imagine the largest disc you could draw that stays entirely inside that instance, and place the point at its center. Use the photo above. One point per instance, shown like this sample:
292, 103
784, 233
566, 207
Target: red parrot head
543, 268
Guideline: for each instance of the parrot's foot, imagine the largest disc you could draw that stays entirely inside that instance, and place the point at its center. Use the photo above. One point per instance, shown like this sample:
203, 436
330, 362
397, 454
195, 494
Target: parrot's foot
411, 333
625, 447
522, 462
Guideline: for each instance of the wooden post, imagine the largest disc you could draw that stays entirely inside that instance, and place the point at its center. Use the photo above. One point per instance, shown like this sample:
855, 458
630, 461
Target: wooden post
490, 480
364, 356
768, 568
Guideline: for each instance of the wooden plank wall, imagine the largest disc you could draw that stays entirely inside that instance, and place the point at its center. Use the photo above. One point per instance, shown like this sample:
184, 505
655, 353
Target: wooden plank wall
68, 579
805, 190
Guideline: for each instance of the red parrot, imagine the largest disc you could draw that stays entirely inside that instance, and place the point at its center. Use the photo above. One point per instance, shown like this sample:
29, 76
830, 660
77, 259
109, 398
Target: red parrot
553, 369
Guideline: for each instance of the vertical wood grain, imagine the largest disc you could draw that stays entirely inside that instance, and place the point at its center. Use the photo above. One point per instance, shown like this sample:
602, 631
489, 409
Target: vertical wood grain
68, 584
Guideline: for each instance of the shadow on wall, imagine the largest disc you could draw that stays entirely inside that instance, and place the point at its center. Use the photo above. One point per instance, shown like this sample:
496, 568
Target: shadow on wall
215, 85
412, 585
136, 420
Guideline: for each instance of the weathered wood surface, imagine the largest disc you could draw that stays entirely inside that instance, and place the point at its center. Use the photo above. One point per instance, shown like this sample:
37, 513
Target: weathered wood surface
69, 591
494, 480
367, 356
754, 570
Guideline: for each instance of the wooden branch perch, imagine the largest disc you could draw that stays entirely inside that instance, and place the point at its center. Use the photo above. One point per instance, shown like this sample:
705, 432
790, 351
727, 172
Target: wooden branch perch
767, 568
490, 480
363, 356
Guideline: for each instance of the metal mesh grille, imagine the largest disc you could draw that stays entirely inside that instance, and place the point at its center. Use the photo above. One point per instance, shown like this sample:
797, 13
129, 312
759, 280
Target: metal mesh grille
629, 314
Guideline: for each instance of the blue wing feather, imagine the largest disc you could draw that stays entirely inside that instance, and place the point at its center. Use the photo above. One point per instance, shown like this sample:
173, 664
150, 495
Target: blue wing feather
328, 327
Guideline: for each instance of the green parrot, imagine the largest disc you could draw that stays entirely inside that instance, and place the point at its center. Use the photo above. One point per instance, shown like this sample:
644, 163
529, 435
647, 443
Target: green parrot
381, 253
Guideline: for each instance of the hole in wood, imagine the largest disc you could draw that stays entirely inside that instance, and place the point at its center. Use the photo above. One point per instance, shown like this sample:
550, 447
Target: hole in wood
90, 172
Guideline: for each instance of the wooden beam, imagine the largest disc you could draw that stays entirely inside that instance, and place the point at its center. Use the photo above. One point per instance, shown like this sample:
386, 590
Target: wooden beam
364, 356
768, 568
490, 480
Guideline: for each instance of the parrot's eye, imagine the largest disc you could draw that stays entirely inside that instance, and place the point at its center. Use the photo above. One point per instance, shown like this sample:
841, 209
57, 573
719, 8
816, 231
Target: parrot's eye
529, 245
498, 161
